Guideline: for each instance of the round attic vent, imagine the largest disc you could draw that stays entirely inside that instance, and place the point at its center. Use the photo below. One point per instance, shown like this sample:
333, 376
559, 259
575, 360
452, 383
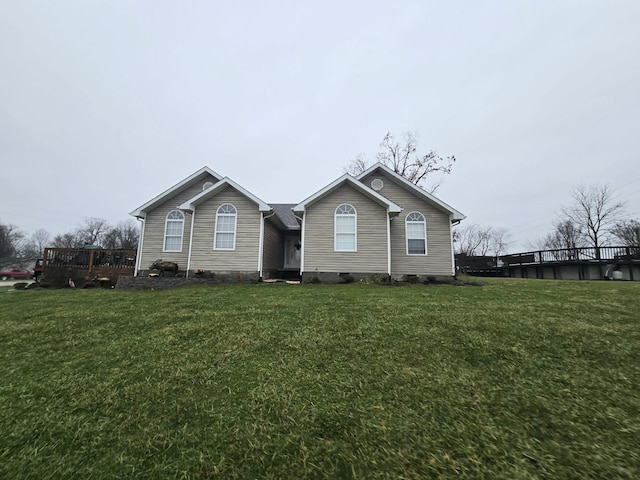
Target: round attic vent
207, 185
377, 184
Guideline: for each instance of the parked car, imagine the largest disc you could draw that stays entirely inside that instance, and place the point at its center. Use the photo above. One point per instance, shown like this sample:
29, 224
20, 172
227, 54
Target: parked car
15, 274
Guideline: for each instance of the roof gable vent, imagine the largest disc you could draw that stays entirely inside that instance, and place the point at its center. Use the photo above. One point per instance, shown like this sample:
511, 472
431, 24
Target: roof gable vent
377, 184
207, 185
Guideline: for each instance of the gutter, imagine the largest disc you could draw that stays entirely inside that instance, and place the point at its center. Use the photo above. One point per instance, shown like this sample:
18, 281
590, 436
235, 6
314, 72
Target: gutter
302, 229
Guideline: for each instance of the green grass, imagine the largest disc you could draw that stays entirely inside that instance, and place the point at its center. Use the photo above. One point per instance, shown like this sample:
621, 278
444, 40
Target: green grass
515, 379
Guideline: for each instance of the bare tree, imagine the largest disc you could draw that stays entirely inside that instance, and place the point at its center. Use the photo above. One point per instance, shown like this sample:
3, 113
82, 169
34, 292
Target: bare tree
568, 235
29, 252
357, 165
499, 241
124, 235
33, 248
470, 240
595, 211
565, 235
566, 238
11, 239
92, 230
66, 240
41, 238
474, 240
628, 232
402, 158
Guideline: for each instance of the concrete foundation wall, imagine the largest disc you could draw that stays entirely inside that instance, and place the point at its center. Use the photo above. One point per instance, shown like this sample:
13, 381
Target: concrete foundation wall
335, 277
382, 278
164, 283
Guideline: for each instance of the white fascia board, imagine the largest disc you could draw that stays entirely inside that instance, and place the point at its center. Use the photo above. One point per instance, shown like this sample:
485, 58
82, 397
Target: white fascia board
392, 207
141, 211
190, 204
455, 214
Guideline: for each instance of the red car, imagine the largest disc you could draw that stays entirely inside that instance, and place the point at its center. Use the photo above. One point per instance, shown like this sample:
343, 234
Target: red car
15, 274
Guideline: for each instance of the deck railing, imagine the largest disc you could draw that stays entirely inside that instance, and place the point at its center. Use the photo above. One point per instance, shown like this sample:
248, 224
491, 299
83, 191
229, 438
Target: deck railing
89, 259
557, 256
578, 255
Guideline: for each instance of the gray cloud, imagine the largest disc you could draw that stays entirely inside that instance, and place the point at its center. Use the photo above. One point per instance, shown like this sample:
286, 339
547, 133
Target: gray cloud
105, 104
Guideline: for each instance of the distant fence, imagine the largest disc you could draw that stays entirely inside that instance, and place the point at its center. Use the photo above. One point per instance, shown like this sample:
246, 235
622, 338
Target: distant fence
586, 263
61, 265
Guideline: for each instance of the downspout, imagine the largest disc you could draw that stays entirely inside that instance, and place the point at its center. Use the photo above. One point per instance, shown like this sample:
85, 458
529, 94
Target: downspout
193, 221
453, 257
388, 243
261, 246
140, 245
302, 246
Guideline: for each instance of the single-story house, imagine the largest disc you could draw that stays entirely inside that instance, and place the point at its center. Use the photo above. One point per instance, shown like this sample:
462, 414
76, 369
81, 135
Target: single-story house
376, 224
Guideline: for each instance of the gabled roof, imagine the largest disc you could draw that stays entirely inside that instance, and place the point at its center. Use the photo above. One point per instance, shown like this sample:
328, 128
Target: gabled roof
191, 204
346, 178
284, 213
177, 188
455, 214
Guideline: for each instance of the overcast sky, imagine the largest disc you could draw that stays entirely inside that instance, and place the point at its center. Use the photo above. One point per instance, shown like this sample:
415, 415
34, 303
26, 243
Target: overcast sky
105, 104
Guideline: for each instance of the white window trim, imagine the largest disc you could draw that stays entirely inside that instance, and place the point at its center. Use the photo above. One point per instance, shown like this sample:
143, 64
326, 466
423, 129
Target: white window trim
406, 235
235, 227
166, 222
355, 228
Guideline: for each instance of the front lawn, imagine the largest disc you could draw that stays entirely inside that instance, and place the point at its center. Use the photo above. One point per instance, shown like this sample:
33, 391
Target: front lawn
514, 379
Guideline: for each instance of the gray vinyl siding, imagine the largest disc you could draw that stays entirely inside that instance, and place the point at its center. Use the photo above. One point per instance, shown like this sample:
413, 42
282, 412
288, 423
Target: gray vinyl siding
153, 241
273, 248
245, 256
371, 254
438, 259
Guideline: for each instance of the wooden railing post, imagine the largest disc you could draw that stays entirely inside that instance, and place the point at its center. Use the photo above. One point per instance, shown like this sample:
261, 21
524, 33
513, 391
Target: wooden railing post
91, 257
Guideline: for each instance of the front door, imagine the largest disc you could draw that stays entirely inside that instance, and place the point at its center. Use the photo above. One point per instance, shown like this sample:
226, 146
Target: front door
292, 252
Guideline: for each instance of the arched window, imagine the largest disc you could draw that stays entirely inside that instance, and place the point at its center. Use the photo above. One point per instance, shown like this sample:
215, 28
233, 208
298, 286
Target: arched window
345, 228
416, 231
173, 229
225, 234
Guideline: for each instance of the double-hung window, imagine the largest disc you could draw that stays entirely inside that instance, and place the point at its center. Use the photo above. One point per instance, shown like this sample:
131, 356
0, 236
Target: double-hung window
416, 232
173, 229
225, 233
345, 228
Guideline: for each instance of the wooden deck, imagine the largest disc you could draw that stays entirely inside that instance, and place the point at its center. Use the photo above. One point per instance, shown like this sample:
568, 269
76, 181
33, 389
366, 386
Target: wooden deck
587, 263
